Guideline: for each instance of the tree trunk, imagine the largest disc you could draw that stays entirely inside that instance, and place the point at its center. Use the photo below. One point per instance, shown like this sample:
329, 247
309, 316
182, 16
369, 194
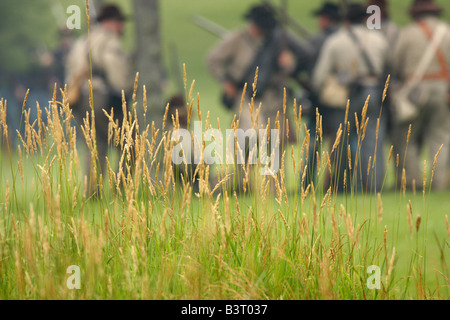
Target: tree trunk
148, 57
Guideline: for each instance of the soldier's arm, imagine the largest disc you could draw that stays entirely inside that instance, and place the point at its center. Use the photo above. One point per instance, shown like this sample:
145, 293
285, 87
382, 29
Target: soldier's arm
447, 50
387, 61
398, 56
315, 44
220, 56
324, 66
116, 66
75, 60
302, 51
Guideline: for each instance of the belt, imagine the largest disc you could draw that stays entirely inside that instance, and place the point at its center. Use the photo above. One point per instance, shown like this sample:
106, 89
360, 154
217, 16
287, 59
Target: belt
369, 81
437, 76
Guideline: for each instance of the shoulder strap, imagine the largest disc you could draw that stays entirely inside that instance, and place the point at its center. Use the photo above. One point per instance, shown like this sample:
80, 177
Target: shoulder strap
363, 52
264, 59
439, 53
429, 53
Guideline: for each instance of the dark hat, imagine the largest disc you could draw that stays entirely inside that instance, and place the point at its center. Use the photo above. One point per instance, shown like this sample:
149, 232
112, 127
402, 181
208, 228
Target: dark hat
263, 17
356, 13
330, 10
111, 12
176, 103
382, 4
420, 7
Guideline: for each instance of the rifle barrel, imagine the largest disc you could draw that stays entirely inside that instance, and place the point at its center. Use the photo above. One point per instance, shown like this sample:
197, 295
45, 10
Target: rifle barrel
297, 27
287, 19
210, 26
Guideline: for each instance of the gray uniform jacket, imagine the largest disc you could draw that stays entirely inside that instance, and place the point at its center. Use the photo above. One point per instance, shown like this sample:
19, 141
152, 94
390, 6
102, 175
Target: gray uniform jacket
231, 60
110, 64
341, 56
316, 42
411, 46
431, 126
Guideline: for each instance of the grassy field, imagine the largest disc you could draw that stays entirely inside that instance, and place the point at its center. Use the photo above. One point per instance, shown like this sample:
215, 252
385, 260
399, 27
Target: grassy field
142, 238
145, 238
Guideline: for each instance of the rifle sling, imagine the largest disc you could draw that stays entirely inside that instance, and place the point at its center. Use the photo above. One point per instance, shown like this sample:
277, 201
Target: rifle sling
264, 60
444, 74
363, 52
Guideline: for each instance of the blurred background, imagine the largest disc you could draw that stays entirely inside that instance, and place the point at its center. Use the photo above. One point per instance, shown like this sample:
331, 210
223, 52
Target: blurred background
34, 41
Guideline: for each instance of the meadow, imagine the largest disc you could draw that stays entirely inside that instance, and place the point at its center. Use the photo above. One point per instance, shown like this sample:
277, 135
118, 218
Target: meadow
149, 234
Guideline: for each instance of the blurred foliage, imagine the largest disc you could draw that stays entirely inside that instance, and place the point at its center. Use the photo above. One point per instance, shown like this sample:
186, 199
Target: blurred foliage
26, 31
29, 28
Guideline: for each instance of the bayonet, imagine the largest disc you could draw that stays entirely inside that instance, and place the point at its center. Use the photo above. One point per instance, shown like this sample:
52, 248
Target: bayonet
221, 32
210, 26
287, 19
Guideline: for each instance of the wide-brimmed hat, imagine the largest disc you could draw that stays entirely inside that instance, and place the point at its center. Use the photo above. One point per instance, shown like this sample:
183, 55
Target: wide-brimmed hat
356, 12
382, 4
420, 7
263, 16
111, 12
330, 10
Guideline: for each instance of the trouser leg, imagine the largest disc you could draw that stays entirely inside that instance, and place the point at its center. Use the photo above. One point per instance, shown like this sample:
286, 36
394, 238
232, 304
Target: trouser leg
437, 134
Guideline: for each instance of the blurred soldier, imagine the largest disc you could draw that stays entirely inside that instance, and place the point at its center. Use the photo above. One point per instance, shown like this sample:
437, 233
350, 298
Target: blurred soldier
177, 118
329, 18
261, 44
110, 75
391, 31
356, 57
388, 27
13, 92
431, 123
329, 22
60, 55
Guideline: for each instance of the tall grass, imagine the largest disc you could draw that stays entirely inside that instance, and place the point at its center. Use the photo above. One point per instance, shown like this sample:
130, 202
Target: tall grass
148, 234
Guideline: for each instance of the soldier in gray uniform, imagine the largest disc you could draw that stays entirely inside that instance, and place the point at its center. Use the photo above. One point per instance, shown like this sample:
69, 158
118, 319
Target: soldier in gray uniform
391, 32
357, 57
329, 18
110, 75
388, 27
278, 55
430, 126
